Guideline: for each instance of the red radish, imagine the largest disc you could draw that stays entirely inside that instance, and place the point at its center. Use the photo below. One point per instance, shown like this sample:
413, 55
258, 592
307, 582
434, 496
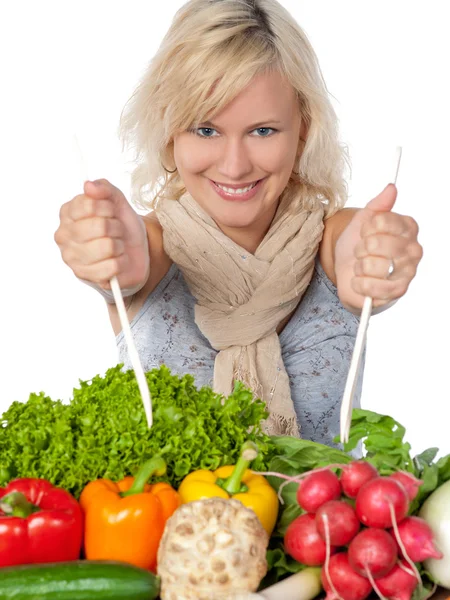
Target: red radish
399, 584
375, 498
372, 551
417, 539
342, 582
303, 542
317, 488
343, 523
355, 475
409, 482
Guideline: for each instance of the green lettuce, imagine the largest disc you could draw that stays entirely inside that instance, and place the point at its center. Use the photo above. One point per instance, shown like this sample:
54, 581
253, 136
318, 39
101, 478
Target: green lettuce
103, 431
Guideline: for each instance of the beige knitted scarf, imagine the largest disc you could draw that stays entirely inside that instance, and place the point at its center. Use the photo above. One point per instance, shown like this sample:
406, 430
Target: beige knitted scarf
241, 298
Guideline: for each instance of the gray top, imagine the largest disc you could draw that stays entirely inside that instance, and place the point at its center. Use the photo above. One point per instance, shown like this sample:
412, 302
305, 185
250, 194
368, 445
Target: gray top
317, 345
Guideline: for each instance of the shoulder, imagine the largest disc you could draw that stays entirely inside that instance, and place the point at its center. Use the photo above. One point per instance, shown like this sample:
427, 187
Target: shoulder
153, 226
160, 263
155, 237
334, 226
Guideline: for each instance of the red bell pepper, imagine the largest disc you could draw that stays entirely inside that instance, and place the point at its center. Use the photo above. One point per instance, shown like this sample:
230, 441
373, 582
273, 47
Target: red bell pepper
39, 523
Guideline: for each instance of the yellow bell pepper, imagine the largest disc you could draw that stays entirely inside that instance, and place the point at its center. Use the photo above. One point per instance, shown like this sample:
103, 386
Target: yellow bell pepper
237, 482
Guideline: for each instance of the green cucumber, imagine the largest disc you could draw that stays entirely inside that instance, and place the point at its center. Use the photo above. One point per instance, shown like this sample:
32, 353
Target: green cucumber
78, 580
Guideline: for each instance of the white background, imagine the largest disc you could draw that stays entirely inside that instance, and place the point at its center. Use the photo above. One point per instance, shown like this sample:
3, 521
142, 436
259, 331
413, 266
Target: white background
69, 67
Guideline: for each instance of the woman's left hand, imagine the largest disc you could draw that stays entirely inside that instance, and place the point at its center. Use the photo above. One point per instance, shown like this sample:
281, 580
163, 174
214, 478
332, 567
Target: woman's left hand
378, 253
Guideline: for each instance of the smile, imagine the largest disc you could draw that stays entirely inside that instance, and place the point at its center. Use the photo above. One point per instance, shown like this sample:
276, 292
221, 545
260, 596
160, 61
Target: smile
240, 190
243, 191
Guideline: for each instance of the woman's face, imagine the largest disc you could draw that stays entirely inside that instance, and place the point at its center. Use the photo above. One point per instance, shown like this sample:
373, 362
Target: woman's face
237, 166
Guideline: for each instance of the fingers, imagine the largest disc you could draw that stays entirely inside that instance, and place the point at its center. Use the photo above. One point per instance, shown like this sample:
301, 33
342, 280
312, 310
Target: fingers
100, 236
379, 289
87, 229
85, 207
372, 266
95, 228
101, 199
96, 260
93, 251
85, 253
391, 224
90, 236
101, 272
390, 236
102, 189
372, 272
387, 238
382, 245
100, 250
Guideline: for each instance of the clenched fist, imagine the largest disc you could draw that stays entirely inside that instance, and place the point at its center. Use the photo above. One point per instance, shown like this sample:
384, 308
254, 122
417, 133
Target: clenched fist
377, 255
101, 236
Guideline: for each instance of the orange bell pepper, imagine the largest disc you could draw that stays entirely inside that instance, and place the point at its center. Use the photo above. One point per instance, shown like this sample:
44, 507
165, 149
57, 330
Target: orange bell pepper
125, 521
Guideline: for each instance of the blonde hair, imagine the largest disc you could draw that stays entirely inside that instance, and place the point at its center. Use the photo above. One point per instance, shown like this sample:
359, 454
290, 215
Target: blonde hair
211, 52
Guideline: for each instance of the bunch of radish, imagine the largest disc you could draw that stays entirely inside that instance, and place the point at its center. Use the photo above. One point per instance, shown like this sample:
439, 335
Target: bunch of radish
356, 526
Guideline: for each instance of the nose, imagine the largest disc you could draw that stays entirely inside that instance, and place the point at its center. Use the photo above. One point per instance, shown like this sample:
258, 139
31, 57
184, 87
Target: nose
234, 162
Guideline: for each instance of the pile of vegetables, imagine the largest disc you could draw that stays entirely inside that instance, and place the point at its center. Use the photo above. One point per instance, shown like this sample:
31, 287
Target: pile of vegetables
385, 448
156, 503
103, 432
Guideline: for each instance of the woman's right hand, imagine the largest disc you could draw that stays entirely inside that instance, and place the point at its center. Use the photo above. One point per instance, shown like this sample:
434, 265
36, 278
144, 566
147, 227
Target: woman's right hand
101, 236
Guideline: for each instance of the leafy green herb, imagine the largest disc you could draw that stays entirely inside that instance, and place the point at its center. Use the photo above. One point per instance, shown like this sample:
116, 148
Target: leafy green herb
279, 563
383, 439
295, 456
103, 431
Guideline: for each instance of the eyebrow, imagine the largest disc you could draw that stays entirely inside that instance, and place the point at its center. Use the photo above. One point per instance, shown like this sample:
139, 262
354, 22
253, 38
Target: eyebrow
253, 126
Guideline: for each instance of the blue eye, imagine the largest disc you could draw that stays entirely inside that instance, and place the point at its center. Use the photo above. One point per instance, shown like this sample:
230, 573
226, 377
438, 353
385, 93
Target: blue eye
265, 131
205, 132
209, 132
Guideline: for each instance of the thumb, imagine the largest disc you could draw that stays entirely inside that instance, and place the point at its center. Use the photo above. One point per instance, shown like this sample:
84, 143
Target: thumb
102, 189
385, 201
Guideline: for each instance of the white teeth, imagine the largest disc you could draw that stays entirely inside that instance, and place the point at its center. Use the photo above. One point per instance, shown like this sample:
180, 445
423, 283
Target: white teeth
238, 191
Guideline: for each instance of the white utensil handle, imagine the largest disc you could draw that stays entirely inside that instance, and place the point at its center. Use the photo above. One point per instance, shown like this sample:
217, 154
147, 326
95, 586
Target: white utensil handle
132, 351
123, 317
352, 377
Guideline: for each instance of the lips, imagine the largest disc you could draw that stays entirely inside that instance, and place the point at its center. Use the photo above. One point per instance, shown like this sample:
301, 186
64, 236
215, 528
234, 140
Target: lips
237, 192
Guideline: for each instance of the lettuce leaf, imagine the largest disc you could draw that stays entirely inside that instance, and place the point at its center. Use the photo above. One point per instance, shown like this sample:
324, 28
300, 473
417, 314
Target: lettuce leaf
103, 431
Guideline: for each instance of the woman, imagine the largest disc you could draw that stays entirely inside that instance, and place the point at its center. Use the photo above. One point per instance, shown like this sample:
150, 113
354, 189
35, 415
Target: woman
249, 268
